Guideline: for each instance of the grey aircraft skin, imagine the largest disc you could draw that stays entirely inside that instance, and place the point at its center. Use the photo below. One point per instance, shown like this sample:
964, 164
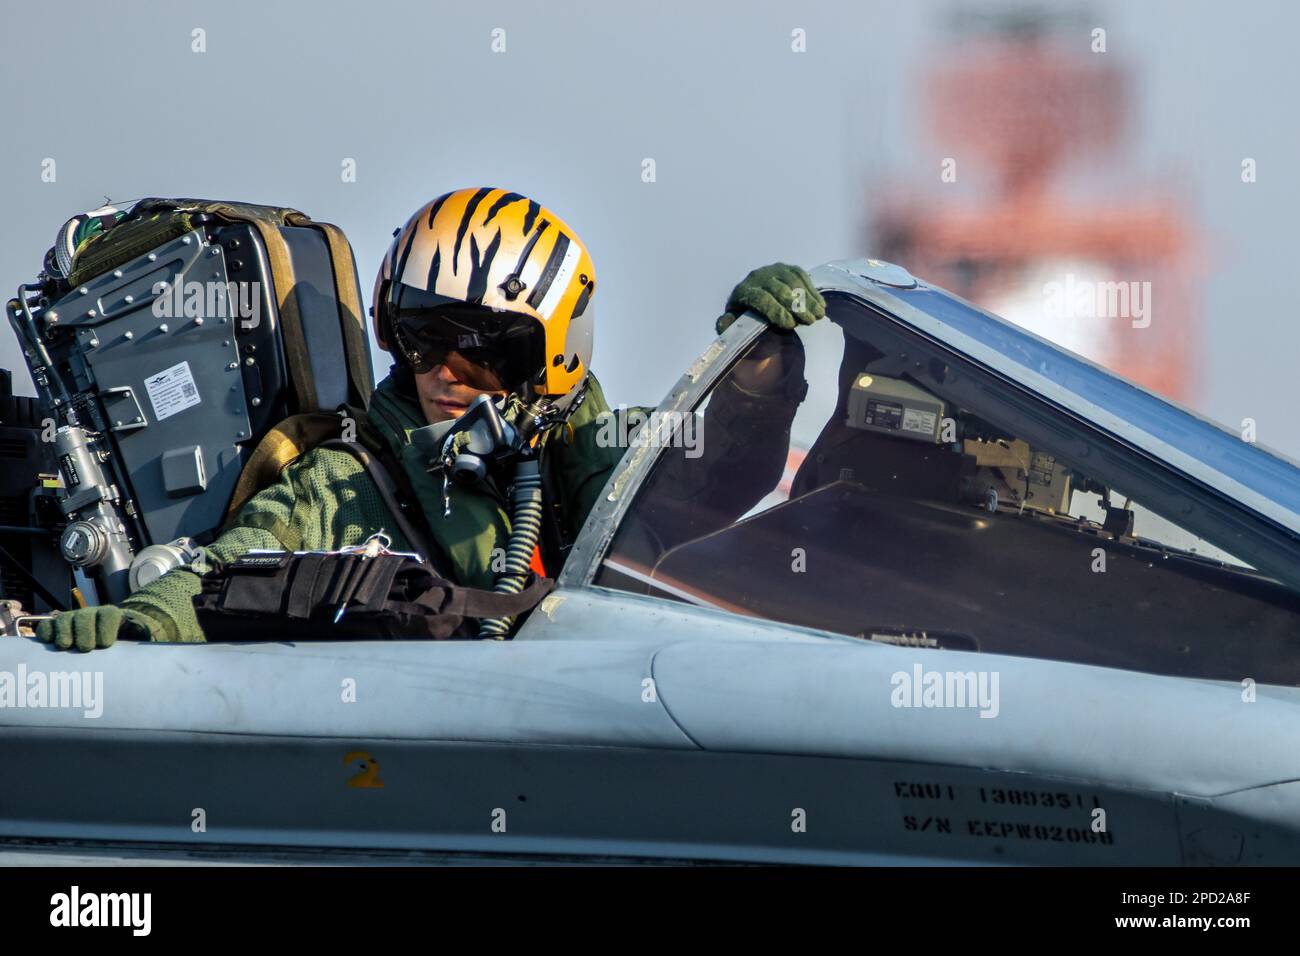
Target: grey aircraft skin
667, 714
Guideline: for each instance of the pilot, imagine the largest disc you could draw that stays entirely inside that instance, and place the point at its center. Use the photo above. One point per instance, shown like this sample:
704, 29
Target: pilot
483, 291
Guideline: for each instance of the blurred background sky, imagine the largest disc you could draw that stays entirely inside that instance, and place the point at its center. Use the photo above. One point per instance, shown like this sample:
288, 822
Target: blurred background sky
761, 153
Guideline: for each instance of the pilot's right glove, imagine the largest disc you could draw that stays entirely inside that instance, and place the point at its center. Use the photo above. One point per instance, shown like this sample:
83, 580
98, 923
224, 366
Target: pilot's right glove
91, 627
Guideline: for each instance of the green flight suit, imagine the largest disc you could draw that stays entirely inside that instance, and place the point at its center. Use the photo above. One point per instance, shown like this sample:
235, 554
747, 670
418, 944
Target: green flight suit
325, 500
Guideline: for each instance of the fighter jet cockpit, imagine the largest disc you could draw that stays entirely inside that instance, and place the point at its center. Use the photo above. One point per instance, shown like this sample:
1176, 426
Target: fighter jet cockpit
855, 477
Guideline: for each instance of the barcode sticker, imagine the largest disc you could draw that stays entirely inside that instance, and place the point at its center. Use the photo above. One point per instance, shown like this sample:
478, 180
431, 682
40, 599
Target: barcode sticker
172, 390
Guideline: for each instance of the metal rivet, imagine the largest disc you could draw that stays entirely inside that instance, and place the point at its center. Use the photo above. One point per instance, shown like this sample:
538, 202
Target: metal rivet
163, 327
153, 257
250, 361
129, 335
185, 240
54, 317
233, 365
94, 343
130, 298
117, 273
83, 290
199, 320
214, 251
255, 402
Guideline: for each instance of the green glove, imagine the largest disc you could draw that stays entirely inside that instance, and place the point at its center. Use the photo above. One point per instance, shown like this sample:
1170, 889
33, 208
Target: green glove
782, 294
90, 627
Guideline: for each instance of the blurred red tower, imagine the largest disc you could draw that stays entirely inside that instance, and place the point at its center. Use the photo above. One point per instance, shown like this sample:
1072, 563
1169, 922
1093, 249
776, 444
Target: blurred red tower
1029, 216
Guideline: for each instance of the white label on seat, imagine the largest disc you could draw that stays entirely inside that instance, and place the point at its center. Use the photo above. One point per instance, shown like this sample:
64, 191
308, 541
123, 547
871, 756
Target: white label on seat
172, 390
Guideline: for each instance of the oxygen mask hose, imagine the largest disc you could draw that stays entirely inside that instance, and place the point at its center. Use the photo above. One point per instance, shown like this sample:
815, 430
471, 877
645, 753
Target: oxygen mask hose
525, 528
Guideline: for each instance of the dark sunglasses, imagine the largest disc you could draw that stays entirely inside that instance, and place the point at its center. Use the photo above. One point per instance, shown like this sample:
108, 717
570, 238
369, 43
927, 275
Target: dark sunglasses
487, 350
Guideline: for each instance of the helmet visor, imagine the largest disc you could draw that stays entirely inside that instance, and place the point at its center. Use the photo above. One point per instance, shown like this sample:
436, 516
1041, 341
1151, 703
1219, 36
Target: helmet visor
487, 350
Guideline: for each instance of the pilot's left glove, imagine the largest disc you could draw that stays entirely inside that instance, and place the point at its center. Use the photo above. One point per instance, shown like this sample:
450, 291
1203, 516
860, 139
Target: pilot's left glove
782, 294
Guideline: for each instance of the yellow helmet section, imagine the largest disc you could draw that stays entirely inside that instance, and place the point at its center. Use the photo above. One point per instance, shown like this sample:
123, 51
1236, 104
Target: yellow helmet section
496, 248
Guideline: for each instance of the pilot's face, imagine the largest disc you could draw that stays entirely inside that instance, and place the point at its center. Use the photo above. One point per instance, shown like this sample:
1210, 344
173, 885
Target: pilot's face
444, 394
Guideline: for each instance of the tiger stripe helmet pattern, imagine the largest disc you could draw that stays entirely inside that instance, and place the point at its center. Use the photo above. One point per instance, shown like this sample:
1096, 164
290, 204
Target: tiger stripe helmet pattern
496, 248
